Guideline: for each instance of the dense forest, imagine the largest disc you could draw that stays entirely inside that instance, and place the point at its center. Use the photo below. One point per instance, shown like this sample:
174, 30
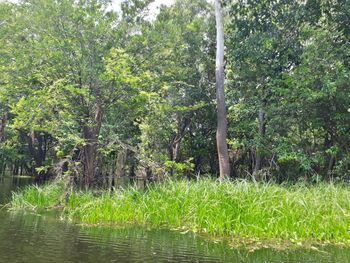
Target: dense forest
91, 93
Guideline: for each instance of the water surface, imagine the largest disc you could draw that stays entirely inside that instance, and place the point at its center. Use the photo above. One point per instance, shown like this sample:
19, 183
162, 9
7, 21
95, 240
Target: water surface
29, 237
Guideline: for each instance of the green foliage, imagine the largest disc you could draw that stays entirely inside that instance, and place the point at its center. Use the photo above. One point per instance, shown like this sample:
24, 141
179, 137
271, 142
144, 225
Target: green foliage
289, 59
178, 64
318, 213
36, 197
80, 83
178, 169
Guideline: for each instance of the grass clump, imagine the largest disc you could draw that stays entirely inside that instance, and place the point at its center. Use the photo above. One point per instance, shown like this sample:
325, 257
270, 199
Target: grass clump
231, 209
34, 196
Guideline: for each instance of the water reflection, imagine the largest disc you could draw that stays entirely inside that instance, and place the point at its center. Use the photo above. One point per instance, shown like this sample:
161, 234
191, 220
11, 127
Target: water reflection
27, 237
33, 238
12, 183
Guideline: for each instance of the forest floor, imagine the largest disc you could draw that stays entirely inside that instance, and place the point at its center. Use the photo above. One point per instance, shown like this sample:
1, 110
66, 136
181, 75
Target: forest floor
240, 212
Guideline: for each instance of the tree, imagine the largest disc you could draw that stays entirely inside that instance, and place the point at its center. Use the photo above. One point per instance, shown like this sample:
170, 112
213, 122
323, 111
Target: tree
91, 94
263, 44
176, 51
221, 133
286, 59
72, 78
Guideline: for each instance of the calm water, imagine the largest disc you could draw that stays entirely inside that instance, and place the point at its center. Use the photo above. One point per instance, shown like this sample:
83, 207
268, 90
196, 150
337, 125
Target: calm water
28, 237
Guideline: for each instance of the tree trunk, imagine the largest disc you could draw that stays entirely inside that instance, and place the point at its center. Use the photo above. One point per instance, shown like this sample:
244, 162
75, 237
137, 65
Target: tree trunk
328, 143
91, 133
175, 143
89, 155
37, 147
262, 132
221, 132
3, 126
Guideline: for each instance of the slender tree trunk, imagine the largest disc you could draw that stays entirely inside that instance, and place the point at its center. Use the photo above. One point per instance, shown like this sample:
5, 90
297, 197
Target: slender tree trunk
262, 132
331, 164
221, 132
3, 126
174, 149
175, 143
329, 142
37, 145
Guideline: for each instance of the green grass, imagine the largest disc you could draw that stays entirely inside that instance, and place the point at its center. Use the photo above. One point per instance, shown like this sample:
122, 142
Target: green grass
38, 196
241, 209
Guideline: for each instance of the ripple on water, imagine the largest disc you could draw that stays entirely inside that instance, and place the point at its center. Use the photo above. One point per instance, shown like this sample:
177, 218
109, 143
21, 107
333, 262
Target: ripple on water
26, 237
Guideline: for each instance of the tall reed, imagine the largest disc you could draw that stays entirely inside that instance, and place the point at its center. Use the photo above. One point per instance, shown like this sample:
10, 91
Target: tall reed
230, 209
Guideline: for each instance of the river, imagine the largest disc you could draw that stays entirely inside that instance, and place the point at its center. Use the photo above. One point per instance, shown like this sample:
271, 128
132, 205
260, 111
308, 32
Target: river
41, 238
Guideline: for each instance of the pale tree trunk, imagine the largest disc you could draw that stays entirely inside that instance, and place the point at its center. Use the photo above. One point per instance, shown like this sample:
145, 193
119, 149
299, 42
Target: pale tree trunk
221, 132
262, 132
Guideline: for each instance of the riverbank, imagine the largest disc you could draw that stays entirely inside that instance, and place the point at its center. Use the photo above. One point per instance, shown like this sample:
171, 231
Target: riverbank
240, 212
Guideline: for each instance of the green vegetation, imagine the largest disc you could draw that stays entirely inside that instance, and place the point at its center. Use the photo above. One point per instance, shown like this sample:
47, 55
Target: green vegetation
94, 92
240, 90
232, 210
34, 196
